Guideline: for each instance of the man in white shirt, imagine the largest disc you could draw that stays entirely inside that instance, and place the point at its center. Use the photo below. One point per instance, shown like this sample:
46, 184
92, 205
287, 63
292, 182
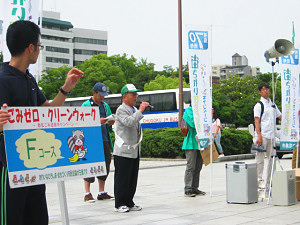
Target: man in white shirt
264, 132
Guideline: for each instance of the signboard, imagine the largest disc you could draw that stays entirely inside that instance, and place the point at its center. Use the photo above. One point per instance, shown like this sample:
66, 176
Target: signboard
290, 70
199, 61
51, 144
205, 154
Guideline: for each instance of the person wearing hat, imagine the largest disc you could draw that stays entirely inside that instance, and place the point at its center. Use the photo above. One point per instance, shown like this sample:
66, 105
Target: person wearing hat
127, 149
99, 92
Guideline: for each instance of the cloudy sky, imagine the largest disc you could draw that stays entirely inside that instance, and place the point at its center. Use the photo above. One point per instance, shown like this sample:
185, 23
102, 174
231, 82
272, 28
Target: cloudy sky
149, 28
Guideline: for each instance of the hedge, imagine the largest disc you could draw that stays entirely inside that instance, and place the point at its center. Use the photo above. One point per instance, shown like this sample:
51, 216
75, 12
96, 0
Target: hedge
167, 142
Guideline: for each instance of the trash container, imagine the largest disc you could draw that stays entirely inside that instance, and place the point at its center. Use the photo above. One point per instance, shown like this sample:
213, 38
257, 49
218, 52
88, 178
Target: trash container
241, 182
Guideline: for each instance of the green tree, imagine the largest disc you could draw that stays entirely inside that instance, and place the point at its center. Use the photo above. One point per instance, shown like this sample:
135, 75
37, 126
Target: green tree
99, 68
127, 65
115, 71
137, 73
145, 73
234, 97
162, 83
53, 80
169, 71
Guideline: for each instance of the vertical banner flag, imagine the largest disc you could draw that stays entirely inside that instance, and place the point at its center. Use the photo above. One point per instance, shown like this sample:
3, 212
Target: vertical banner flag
14, 10
199, 61
290, 70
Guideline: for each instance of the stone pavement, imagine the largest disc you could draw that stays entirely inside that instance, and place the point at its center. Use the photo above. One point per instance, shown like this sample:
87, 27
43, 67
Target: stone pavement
160, 193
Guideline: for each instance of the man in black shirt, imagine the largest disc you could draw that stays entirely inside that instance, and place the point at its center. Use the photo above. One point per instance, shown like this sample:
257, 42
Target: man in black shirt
25, 205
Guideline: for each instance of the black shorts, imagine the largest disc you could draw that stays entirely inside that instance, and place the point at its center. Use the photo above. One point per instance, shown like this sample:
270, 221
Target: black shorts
107, 155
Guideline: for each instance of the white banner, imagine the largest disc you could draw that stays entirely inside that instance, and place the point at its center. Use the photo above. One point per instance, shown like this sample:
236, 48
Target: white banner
290, 70
199, 60
18, 10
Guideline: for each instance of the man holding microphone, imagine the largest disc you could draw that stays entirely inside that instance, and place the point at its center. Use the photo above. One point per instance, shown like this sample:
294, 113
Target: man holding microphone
127, 149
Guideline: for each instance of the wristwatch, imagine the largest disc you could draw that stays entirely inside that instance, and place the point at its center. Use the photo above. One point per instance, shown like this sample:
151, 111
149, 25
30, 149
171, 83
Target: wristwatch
64, 92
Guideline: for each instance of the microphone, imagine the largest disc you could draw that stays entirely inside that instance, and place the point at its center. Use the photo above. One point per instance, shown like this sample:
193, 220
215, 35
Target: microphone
151, 106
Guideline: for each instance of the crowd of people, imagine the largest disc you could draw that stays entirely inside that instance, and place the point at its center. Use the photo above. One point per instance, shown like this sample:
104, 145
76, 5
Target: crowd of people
27, 205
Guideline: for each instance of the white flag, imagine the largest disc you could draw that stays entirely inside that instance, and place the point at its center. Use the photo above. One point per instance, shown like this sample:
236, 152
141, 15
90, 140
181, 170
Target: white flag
290, 70
199, 61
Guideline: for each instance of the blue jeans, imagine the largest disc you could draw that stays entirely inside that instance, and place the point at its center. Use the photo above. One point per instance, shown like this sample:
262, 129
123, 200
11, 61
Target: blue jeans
218, 142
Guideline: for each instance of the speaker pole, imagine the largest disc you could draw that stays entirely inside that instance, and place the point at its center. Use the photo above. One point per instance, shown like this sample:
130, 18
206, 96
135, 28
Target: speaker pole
274, 154
282, 47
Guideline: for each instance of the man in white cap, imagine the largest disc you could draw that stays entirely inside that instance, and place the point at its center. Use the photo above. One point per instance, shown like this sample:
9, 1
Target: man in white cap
127, 149
99, 92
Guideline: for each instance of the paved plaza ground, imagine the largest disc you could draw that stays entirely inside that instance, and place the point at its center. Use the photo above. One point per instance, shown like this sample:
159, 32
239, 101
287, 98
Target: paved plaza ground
160, 193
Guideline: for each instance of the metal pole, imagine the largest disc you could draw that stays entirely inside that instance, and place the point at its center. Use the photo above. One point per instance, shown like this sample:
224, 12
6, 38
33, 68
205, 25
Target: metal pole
211, 137
180, 63
63, 202
273, 139
40, 59
297, 156
211, 162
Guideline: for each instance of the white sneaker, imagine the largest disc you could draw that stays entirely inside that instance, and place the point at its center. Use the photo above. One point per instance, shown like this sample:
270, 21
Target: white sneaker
122, 209
135, 208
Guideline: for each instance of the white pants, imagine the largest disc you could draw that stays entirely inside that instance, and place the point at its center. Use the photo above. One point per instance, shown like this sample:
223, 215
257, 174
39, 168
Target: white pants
260, 157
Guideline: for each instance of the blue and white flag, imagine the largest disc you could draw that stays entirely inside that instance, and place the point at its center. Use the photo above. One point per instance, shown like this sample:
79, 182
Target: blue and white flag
290, 70
199, 61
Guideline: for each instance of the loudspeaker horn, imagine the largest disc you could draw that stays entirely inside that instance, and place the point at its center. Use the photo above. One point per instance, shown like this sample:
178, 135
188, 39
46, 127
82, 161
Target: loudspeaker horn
282, 47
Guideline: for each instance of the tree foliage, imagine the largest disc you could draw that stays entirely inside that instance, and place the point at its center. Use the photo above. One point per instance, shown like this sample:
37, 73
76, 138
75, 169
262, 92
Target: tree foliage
162, 83
115, 71
234, 97
54, 79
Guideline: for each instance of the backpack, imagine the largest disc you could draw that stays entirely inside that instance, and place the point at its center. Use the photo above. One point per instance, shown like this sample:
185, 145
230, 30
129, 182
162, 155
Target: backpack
252, 123
184, 128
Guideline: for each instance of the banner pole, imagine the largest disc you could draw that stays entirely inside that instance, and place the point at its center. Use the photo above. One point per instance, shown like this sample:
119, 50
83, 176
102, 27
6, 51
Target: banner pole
211, 139
63, 202
210, 165
297, 156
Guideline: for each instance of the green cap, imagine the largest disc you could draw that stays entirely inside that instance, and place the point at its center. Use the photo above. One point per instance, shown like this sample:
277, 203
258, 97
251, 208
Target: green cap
129, 88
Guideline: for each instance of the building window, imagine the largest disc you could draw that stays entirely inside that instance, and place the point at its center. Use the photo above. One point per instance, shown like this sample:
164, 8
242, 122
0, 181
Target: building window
56, 49
75, 63
90, 41
57, 60
54, 38
88, 52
